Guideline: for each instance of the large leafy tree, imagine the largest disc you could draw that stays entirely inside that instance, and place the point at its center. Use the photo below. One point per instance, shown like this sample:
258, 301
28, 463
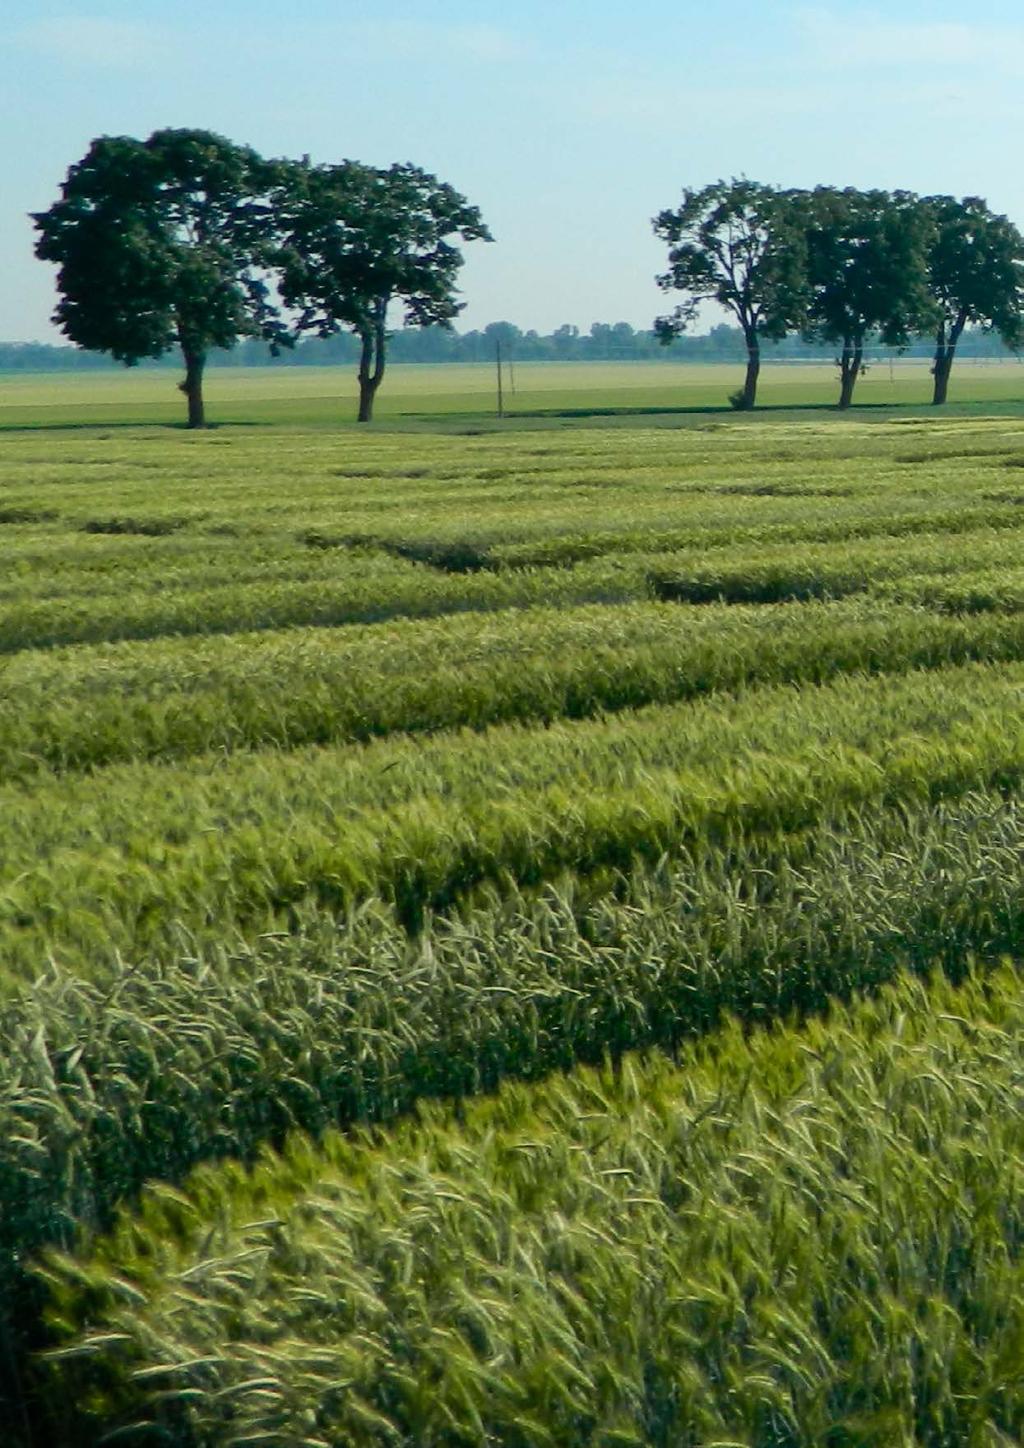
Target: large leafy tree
355, 239
738, 243
976, 273
867, 255
163, 243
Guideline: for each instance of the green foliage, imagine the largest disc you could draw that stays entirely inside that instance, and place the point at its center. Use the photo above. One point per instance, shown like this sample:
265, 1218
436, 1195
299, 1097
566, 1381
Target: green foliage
793, 1238
867, 267
975, 264
736, 243
974, 267
843, 266
161, 243
355, 238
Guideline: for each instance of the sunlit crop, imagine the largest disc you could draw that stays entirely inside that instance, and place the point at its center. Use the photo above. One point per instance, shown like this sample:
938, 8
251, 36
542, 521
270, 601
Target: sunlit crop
339, 775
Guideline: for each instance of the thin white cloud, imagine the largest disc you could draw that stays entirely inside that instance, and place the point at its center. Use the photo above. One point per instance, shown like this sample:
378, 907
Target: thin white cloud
94, 40
636, 102
873, 39
487, 42
874, 65
438, 40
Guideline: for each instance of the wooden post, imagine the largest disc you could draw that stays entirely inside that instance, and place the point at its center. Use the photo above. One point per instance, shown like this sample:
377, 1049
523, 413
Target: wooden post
501, 397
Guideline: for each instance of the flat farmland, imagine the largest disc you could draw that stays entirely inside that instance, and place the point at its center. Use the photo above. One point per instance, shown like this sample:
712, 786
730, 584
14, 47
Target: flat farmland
417, 395
509, 935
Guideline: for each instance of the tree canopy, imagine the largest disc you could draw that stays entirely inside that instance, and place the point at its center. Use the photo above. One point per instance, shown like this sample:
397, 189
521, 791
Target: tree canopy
843, 266
737, 243
162, 243
867, 272
975, 263
355, 238
187, 242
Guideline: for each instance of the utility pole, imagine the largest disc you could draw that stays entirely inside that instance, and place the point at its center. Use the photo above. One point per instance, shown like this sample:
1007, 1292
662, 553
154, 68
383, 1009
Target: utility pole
501, 396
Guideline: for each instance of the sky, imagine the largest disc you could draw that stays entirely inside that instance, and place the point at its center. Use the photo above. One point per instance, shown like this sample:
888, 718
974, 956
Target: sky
570, 123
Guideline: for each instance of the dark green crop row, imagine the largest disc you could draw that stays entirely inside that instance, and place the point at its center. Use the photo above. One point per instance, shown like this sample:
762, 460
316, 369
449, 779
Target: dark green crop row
376, 589
361, 589
884, 520
801, 1237
124, 588
172, 1062
985, 590
87, 707
783, 573
150, 856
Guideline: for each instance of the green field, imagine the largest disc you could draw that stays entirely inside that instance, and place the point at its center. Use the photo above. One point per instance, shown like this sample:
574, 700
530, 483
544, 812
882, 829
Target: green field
411, 394
655, 779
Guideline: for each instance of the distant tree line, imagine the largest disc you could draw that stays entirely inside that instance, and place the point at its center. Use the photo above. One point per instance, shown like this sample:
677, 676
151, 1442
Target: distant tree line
843, 268
603, 342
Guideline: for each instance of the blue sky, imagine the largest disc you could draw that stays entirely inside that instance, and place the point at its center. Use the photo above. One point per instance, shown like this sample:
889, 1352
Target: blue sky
569, 122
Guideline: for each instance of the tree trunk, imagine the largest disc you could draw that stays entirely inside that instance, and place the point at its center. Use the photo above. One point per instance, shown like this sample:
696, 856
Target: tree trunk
941, 370
753, 371
850, 364
195, 362
367, 385
945, 352
371, 363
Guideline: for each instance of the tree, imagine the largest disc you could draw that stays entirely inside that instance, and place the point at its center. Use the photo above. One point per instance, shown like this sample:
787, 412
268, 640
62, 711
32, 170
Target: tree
162, 243
505, 335
355, 238
867, 268
737, 243
564, 340
975, 263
